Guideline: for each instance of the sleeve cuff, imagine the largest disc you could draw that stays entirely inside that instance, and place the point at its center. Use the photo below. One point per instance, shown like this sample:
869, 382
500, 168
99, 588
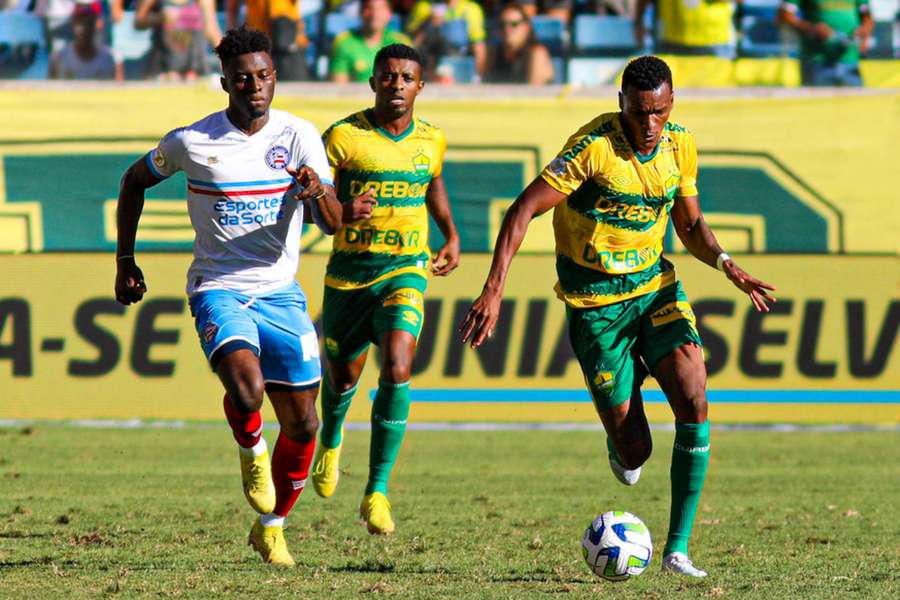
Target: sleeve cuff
152, 167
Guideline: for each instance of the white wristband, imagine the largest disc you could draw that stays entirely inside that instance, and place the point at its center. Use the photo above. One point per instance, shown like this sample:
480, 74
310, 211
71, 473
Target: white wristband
722, 258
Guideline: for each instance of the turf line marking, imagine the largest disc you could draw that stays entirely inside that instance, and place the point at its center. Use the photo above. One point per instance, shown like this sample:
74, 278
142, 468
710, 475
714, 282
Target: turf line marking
455, 426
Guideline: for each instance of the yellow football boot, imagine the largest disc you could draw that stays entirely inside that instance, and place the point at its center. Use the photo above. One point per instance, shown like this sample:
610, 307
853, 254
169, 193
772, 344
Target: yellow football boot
256, 475
269, 542
326, 470
375, 510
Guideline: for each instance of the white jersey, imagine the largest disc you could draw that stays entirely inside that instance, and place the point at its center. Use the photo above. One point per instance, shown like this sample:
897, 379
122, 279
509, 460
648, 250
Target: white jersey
240, 199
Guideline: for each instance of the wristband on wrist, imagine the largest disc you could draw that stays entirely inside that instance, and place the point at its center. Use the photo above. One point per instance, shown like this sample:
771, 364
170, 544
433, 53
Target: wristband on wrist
118, 258
721, 259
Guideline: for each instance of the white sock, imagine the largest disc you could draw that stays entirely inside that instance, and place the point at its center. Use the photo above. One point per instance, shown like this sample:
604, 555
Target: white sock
271, 520
258, 450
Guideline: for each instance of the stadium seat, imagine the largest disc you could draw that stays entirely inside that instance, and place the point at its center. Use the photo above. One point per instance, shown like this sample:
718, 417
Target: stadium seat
456, 32
337, 23
884, 41
23, 48
130, 46
761, 36
559, 69
551, 32
463, 67
598, 35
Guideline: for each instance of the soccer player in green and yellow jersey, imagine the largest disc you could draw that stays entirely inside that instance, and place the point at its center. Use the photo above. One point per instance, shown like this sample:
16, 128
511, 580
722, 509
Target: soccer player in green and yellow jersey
613, 187
387, 170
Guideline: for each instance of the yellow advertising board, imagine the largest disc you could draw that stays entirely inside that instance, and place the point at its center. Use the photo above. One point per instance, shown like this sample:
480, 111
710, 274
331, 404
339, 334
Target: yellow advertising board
827, 351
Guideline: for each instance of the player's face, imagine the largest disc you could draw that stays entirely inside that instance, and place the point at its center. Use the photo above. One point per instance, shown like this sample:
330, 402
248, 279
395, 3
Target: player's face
644, 115
396, 84
250, 82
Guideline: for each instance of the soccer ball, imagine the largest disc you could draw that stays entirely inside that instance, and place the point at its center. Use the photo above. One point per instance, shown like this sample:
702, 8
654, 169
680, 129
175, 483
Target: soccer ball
617, 545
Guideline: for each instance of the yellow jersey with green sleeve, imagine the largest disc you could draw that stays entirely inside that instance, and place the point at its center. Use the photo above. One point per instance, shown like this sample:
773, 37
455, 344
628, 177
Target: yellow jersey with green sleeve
398, 170
609, 230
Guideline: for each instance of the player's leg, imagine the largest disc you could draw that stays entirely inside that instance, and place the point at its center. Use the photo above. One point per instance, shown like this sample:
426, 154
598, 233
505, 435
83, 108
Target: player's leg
682, 376
338, 388
346, 321
230, 341
291, 368
603, 340
628, 440
671, 345
397, 322
390, 412
296, 412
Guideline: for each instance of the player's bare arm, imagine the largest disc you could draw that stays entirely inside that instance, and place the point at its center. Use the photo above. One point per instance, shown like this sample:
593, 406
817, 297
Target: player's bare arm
538, 198
130, 285
318, 198
698, 238
447, 257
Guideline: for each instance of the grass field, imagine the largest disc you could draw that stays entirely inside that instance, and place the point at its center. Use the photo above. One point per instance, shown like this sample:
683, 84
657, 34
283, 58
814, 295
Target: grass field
92, 512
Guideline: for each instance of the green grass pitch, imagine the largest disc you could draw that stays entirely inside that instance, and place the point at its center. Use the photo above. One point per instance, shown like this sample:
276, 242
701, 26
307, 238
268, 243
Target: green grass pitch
498, 514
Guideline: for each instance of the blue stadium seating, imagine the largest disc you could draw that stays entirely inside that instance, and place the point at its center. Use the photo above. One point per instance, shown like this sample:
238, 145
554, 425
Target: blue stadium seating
884, 43
551, 32
598, 35
22, 37
463, 67
456, 32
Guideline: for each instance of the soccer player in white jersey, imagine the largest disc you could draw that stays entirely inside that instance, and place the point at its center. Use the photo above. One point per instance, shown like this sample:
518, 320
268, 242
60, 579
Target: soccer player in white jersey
250, 171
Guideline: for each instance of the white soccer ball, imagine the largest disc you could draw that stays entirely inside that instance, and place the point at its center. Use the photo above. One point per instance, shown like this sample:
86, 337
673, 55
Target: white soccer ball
617, 545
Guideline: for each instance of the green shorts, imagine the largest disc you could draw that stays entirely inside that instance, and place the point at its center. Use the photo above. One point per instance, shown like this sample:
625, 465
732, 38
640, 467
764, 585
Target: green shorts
352, 319
617, 344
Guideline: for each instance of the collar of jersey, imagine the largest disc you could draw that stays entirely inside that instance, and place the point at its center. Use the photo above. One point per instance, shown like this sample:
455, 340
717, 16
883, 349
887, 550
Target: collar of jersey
370, 116
237, 129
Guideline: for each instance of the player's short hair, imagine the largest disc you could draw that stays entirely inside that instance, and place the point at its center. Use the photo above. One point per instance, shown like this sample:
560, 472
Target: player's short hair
401, 51
646, 73
243, 40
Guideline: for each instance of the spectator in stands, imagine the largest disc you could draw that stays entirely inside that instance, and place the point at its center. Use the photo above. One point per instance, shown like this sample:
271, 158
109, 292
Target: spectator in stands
180, 31
691, 27
559, 9
354, 51
83, 57
832, 37
57, 15
425, 25
281, 20
517, 57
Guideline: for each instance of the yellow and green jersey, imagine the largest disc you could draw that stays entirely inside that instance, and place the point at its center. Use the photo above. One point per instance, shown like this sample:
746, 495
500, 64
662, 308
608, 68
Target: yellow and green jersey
398, 170
609, 230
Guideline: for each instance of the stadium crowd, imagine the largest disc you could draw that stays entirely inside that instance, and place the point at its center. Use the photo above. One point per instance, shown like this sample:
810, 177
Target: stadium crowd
469, 41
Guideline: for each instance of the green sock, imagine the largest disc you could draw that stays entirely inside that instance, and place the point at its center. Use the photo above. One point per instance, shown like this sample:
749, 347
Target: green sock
334, 411
690, 457
389, 413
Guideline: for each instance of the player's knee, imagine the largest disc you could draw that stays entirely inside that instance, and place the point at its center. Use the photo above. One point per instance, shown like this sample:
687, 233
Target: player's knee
247, 395
302, 428
396, 369
694, 406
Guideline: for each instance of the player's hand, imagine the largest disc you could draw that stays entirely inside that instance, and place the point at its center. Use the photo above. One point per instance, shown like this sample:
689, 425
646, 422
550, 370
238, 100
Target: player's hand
308, 180
481, 319
130, 286
821, 31
446, 259
360, 207
752, 286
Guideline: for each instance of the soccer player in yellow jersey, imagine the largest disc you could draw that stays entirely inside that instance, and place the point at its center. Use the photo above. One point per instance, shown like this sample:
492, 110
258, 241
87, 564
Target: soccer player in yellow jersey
387, 170
612, 188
